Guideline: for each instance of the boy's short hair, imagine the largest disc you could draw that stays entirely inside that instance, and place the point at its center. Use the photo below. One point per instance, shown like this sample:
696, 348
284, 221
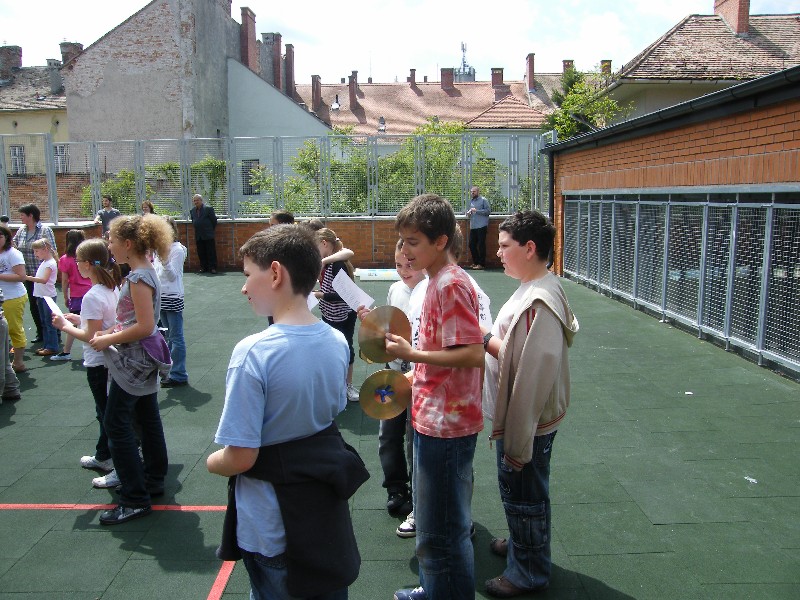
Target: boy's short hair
531, 226
431, 215
293, 247
283, 217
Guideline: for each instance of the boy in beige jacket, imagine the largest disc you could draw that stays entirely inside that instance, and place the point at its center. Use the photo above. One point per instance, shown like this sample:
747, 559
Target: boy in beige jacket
527, 381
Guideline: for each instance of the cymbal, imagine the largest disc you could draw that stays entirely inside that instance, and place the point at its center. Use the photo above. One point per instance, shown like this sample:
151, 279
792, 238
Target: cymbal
385, 394
375, 326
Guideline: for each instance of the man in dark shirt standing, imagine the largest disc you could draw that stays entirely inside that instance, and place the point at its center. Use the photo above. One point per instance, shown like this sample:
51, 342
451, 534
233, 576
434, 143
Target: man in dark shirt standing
204, 221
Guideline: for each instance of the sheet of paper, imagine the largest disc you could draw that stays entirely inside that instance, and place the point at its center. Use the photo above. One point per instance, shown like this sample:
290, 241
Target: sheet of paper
312, 301
353, 295
53, 306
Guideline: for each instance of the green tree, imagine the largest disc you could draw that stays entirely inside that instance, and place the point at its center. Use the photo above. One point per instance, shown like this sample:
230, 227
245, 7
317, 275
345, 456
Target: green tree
583, 107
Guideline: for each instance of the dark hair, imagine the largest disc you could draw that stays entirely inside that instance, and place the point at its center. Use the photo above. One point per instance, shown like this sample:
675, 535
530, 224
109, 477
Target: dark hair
95, 252
295, 248
108, 197
531, 226
32, 211
457, 247
9, 238
147, 232
149, 205
313, 224
283, 217
431, 215
73, 238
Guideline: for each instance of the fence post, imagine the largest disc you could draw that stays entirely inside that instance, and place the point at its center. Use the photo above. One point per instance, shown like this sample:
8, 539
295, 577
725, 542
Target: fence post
578, 240
665, 260
95, 178
599, 242
513, 173
139, 178
589, 237
325, 174
701, 289
372, 175
466, 171
766, 267
50, 177
612, 257
731, 275
635, 286
419, 165
277, 154
234, 197
186, 177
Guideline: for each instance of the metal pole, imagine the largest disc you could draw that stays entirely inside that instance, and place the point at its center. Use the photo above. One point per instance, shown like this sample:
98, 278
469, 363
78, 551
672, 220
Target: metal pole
701, 288
766, 268
731, 275
665, 260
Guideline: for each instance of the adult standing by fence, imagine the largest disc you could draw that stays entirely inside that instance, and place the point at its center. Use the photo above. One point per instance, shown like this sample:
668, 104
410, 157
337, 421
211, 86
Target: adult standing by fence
204, 221
106, 214
478, 213
32, 229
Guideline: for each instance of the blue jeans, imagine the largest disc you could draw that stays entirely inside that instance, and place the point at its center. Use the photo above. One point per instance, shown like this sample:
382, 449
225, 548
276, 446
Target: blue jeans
526, 501
268, 578
122, 410
443, 514
49, 333
173, 321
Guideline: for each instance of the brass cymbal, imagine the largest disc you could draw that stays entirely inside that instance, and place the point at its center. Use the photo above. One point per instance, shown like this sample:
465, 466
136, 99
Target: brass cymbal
375, 326
385, 394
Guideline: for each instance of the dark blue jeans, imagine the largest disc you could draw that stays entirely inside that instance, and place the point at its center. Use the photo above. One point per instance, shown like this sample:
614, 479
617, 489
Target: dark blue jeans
50, 335
394, 450
268, 578
121, 411
526, 501
98, 383
443, 514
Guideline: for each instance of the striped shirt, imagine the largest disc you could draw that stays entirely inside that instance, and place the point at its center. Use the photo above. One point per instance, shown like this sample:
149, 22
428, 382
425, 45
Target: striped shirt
23, 241
331, 305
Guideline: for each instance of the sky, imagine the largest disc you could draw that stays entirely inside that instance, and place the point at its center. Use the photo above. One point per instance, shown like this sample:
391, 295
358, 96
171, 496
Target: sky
384, 39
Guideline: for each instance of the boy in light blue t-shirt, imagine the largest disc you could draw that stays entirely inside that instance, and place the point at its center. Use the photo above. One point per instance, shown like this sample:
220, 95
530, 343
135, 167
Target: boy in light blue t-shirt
279, 401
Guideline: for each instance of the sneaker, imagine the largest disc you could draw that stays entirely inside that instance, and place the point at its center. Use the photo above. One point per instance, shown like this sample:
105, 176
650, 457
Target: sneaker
122, 514
90, 462
62, 356
408, 528
171, 383
395, 502
416, 594
352, 394
107, 481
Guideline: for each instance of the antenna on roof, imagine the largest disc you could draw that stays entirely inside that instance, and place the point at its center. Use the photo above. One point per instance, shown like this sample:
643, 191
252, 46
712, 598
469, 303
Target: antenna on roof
464, 72
463, 56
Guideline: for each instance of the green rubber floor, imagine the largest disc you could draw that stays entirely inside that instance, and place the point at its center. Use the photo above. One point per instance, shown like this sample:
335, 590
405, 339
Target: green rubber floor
676, 473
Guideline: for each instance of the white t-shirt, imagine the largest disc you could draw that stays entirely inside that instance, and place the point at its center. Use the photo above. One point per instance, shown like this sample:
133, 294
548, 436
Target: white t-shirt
491, 376
48, 289
99, 304
399, 296
8, 260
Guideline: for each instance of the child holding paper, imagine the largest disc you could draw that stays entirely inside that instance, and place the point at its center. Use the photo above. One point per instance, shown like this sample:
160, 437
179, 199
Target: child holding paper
335, 311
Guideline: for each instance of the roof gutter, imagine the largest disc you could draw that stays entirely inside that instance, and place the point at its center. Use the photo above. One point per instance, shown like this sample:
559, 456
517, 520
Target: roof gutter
763, 91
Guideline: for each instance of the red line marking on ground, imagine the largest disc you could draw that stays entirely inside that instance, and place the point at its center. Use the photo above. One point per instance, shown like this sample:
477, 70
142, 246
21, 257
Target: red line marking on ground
175, 507
221, 582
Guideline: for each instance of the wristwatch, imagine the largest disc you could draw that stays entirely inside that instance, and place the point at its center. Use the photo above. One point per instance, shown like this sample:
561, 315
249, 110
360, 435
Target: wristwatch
486, 339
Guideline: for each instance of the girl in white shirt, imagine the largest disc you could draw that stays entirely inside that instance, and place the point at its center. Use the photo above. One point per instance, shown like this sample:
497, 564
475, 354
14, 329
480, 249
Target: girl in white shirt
44, 286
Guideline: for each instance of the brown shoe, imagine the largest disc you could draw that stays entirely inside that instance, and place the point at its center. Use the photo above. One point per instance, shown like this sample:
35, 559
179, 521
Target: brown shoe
500, 587
46, 352
499, 546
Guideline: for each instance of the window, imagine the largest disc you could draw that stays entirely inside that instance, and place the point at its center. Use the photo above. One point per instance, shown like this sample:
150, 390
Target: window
17, 159
248, 165
61, 156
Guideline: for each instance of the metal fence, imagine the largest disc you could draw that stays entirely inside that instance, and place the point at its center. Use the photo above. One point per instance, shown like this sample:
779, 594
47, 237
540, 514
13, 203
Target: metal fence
250, 177
726, 265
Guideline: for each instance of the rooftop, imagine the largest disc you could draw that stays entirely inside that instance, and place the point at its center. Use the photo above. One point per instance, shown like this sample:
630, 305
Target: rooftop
29, 89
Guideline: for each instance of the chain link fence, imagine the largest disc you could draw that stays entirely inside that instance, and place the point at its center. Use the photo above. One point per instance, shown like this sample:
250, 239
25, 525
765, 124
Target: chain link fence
725, 265
250, 177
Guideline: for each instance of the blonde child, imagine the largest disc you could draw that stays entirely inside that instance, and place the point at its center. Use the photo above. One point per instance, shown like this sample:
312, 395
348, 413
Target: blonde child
73, 285
12, 276
44, 286
98, 311
335, 311
135, 352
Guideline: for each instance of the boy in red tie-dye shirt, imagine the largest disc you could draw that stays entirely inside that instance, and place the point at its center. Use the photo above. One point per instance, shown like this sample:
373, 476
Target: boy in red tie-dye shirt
446, 402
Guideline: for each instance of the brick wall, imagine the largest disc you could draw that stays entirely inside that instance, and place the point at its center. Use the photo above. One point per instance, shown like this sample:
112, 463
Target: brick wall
761, 146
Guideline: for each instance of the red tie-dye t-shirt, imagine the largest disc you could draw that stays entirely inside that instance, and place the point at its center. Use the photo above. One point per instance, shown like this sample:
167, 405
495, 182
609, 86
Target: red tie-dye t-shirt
446, 401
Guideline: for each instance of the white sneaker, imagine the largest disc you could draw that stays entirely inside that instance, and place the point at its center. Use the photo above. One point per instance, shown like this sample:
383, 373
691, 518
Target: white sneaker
90, 462
107, 481
352, 394
61, 356
408, 528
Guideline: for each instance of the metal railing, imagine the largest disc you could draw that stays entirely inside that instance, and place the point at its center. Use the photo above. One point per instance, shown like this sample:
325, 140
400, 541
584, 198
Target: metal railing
250, 177
726, 265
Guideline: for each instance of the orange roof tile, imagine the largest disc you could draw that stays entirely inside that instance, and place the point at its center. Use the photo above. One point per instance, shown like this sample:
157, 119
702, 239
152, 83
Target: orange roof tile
29, 89
705, 47
508, 113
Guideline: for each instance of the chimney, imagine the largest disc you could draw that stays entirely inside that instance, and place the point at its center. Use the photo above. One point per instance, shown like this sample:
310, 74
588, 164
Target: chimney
353, 85
448, 76
497, 77
10, 58
290, 88
567, 64
529, 72
276, 61
369, 79
425, 79
736, 13
247, 40
56, 82
605, 67
342, 80
412, 78
69, 50
316, 92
